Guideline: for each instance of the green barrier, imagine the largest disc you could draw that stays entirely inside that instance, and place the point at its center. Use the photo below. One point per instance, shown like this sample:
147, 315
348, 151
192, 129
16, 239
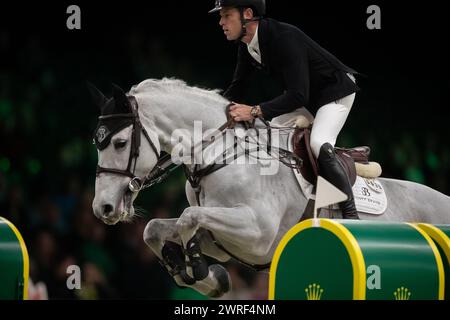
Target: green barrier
441, 237
14, 263
359, 260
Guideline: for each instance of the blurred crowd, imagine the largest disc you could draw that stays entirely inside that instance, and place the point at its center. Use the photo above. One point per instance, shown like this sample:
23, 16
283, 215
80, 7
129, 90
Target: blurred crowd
60, 230
47, 171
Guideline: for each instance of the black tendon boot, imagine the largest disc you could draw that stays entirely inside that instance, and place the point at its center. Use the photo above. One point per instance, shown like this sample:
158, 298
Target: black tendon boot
174, 262
331, 169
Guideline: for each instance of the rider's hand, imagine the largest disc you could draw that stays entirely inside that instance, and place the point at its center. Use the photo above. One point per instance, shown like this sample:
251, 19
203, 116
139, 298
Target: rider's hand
241, 112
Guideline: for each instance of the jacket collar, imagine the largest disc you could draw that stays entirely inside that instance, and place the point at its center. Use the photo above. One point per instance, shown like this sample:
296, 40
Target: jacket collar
263, 39
253, 47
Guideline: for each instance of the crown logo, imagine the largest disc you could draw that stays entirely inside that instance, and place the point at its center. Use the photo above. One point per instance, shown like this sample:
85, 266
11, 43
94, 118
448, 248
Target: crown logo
402, 294
313, 292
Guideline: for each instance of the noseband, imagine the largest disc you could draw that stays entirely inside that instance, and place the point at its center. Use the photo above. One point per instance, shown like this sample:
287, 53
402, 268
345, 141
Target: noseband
157, 174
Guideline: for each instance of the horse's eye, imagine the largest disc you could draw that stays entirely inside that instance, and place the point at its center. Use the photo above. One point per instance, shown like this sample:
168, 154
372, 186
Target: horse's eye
120, 144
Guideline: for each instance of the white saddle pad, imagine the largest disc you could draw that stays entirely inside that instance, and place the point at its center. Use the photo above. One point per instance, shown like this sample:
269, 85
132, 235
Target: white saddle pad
369, 194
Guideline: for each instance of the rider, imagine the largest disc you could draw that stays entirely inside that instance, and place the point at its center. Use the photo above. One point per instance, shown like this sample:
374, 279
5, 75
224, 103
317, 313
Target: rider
312, 78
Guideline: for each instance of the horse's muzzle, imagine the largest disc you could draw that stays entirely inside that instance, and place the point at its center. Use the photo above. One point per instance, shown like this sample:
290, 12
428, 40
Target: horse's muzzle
109, 213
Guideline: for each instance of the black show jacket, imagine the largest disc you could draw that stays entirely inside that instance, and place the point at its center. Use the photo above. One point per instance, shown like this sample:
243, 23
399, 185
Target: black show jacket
310, 75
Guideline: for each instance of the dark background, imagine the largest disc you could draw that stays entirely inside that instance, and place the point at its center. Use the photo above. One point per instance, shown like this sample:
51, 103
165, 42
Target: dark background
47, 161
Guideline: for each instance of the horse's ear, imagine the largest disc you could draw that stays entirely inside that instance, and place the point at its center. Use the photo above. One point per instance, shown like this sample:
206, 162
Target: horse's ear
122, 104
98, 97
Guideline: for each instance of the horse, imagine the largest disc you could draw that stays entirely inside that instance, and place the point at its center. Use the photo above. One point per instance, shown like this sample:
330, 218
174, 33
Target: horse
235, 211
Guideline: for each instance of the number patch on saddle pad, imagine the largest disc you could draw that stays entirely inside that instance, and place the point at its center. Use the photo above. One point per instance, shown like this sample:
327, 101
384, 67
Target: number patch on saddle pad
374, 185
369, 196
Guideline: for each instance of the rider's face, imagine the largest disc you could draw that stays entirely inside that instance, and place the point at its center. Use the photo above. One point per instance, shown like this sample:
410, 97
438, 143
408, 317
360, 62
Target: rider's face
230, 21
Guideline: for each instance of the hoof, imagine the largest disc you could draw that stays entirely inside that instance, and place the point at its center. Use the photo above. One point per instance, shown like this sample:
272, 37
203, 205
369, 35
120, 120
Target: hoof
223, 279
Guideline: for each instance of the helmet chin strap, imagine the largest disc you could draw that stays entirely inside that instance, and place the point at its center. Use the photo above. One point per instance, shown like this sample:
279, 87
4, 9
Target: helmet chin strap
244, 24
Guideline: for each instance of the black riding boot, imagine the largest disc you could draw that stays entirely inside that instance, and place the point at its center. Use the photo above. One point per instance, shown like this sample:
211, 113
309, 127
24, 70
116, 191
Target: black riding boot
331, 169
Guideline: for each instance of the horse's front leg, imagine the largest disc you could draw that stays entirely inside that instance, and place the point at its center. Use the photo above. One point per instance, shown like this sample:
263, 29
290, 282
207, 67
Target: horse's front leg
161, 235
239, 226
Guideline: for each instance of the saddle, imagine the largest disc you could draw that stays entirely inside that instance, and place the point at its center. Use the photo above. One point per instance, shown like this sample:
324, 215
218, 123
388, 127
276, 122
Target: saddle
310, 168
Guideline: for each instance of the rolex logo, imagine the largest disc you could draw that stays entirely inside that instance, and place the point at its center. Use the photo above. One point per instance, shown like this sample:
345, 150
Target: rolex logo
402, 294
313, 292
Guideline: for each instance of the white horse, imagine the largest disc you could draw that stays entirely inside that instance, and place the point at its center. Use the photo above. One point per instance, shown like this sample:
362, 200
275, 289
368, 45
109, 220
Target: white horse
242, 213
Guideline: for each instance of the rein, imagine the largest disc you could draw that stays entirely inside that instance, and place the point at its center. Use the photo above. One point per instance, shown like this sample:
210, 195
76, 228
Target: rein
165, 165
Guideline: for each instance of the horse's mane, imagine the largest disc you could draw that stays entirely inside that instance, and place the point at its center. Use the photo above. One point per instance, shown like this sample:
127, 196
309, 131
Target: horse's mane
176, 86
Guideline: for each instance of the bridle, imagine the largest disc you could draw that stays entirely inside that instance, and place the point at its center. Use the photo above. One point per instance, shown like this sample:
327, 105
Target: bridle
158, 173
165, 166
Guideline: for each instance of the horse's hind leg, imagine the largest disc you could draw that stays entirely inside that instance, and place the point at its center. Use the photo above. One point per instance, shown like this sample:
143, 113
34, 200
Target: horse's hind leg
162, 237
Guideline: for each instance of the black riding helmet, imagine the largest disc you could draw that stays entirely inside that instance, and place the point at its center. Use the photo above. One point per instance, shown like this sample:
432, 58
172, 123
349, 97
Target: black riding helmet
258, 7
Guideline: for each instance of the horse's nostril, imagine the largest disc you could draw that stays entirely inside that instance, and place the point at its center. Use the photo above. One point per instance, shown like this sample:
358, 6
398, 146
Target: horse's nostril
107, 210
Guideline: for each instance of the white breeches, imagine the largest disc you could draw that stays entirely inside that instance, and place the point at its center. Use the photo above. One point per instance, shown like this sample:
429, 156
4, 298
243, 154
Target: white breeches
329, 121
327, 124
